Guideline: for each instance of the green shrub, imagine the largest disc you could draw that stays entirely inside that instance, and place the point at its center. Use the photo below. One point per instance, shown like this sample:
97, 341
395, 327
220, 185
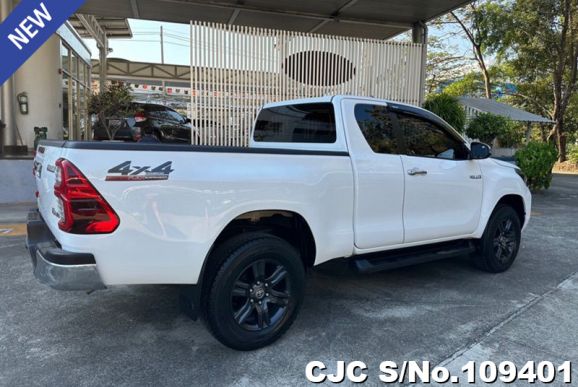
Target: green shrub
448, 108
573, 153
486, 127
513, 134
536, 160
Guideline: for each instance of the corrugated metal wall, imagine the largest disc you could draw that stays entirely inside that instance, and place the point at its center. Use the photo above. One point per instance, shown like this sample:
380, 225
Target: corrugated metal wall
236, 69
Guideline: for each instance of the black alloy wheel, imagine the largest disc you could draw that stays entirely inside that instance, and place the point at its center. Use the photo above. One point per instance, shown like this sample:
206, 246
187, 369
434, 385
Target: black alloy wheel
505, 240
260, 295
501, 240
257, 291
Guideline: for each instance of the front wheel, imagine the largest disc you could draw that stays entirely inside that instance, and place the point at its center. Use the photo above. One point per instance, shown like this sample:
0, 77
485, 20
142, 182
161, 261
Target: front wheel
501, 241
256, 294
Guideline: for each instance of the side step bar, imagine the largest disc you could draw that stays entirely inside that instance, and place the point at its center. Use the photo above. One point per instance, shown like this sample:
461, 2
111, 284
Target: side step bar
388, 260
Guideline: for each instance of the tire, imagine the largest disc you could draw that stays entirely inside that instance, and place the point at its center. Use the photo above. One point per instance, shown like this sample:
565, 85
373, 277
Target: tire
256, 293
501, 241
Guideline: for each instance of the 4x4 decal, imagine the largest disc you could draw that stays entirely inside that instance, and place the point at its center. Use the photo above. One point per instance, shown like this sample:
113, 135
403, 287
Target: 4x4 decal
128, 172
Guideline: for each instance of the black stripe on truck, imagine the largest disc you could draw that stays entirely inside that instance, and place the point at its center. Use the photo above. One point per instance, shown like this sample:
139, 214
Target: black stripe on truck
128, 146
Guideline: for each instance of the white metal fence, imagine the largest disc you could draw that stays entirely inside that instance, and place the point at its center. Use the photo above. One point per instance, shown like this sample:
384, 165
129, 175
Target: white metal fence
236, 69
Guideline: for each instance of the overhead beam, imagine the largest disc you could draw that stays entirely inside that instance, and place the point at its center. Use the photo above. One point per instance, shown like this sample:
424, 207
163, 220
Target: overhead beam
335, 15
91, 25
135, 10
349, 4
319, 26
458, 6
284, 12
233, 17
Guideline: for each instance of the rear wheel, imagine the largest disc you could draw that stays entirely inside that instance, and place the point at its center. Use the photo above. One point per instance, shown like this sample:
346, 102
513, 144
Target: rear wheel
256, 294
501, 241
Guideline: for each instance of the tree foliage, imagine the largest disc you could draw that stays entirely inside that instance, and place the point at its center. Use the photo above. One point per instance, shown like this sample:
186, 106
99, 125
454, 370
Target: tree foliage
112, 104
444, 64
468, 85
573, 153
486, 127
534, 44
513, 134
484, 24
448, 108
542, 48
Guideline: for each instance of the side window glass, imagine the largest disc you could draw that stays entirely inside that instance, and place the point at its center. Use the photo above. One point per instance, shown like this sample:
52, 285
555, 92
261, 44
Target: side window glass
164, 114
425, 139
154, 112
377, 128
174, 116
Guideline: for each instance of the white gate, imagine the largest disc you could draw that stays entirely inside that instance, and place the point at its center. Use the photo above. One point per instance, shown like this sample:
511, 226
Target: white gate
236, 69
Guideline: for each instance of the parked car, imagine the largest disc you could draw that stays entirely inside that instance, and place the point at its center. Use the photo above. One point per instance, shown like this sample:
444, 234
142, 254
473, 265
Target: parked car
160, 123
379, 183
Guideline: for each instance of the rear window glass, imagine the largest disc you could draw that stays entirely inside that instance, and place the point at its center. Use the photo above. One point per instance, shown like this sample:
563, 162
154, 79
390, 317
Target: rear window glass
302, 123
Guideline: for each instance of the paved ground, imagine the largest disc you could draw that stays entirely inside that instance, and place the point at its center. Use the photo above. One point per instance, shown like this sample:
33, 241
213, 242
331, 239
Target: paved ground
445, 312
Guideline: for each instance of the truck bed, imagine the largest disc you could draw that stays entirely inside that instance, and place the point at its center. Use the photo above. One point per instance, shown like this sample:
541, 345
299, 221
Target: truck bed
172, 219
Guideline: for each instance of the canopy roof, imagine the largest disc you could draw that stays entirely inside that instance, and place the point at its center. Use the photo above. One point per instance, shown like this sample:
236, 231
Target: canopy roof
112, 27
490, 106
379, 19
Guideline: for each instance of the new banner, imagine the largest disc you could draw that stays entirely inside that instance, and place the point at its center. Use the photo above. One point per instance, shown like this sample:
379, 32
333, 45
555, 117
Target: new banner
29, 25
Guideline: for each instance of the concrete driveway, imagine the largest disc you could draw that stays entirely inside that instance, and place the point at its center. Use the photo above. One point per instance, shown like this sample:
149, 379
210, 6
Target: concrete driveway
445, 312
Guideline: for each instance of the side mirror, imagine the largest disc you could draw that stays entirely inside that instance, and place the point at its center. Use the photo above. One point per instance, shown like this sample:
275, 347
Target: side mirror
187, 120
479, 151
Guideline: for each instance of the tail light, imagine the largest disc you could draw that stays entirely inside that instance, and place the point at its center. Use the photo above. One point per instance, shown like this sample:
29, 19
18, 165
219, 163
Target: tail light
81, 208
140, 117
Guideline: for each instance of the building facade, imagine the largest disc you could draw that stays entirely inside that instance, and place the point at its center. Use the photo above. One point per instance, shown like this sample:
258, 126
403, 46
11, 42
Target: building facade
57, 95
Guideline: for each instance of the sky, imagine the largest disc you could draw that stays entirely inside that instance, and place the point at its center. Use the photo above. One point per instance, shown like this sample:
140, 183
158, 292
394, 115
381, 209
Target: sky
146, 47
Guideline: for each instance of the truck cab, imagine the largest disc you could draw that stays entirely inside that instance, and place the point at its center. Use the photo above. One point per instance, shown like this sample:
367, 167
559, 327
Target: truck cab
415, 179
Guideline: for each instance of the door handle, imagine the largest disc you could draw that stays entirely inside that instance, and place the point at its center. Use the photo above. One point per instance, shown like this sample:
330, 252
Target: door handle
416, 171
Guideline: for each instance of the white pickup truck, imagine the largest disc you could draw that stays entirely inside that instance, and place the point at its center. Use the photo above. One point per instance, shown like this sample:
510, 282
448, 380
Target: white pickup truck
380, 183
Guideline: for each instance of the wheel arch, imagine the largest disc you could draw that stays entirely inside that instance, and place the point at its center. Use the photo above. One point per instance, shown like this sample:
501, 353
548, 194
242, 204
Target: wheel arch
512, 199
516, 202
286, 224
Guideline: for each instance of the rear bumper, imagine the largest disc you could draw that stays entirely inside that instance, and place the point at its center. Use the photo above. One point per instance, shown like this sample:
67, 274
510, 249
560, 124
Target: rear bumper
55, 267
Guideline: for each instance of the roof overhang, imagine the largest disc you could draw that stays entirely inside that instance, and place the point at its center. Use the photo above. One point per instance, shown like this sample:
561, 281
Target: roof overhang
379, 19
113, 27
501, 109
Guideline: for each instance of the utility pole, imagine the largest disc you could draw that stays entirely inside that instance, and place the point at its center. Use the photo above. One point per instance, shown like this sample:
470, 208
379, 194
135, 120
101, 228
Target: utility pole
163, 62
162, 46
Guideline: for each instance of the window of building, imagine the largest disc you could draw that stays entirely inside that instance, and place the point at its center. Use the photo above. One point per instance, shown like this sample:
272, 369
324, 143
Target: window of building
75, 93
302, 123
425, 139
377, 128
